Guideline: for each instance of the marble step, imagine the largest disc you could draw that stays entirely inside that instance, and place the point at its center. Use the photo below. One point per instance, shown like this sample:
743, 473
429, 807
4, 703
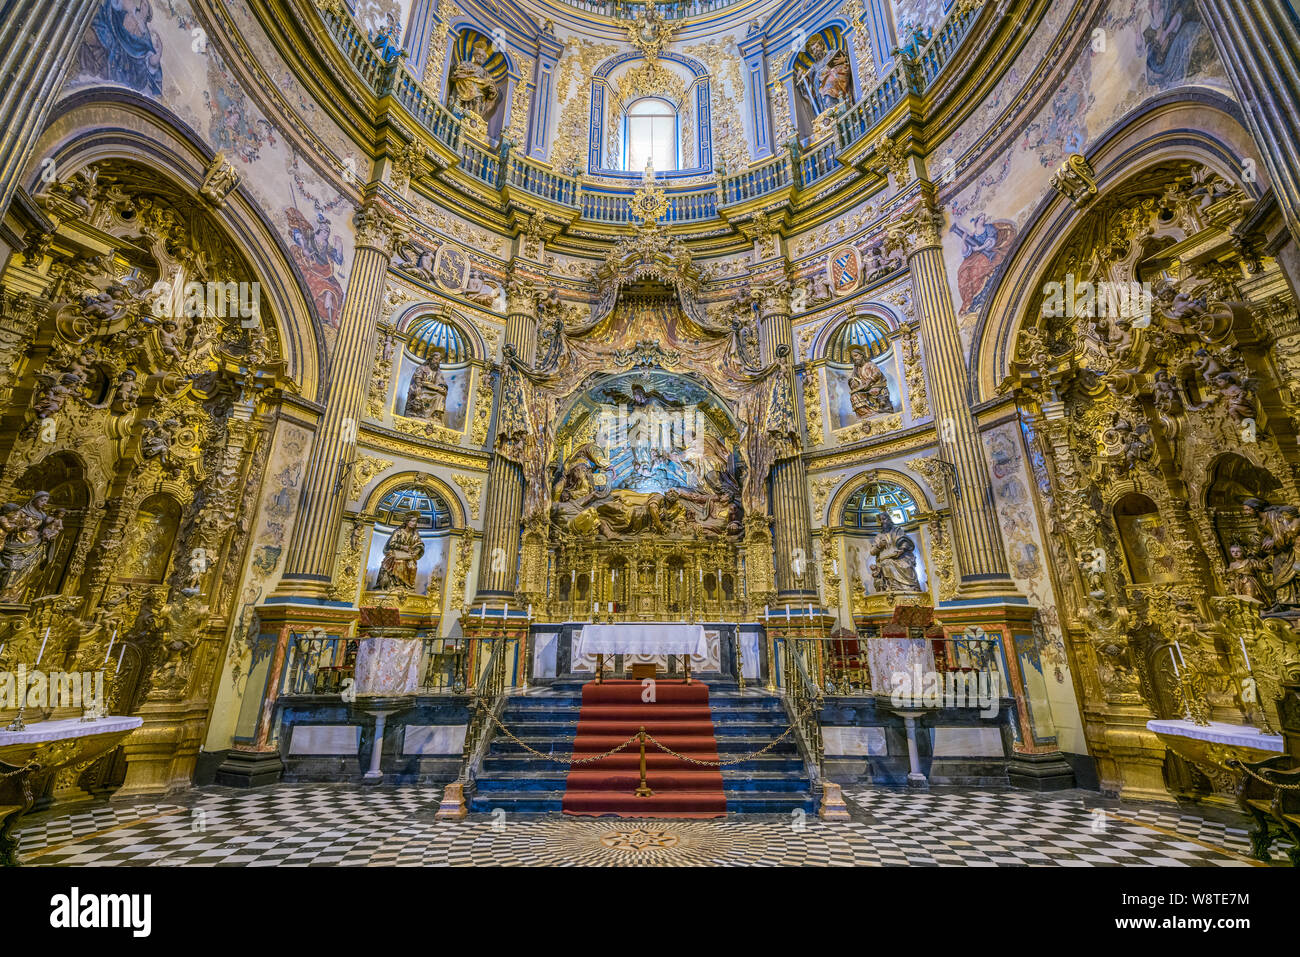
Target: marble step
774, 781
738, 802
500, 765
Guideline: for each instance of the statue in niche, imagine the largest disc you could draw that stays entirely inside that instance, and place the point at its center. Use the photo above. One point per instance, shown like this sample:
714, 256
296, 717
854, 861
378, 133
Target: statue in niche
1246, 575
402, 554
868, 389
1281, 547
472, 87
29, 534
427, 396
895, 553
828, 80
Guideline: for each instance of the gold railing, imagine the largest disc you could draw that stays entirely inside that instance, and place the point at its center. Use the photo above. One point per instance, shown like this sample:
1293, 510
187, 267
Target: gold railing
487, 700
800, 659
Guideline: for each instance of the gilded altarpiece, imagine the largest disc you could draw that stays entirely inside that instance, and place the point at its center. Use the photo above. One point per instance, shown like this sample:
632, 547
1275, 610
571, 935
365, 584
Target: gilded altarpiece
1160, 424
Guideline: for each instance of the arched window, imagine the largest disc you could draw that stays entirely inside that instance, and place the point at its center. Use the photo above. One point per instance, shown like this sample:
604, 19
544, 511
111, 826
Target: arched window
865, 506
432, 508
651, 135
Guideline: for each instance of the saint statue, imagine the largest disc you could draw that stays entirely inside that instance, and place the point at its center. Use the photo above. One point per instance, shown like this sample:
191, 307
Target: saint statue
472, 87
868, 388
1280, 525
828, 80
427, 396
28, 545
1245, 575
895, 554
401, 556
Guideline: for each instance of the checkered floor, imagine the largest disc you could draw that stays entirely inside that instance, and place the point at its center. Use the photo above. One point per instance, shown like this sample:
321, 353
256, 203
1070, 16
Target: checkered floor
331, 825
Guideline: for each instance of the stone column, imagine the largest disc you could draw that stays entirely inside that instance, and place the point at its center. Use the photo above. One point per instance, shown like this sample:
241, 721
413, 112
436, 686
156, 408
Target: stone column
37, 43
499, 561
981, 556
309, 565
1259, 44
791, 515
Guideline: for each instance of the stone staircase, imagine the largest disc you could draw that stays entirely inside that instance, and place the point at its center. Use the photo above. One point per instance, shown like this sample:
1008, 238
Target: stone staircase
522, 783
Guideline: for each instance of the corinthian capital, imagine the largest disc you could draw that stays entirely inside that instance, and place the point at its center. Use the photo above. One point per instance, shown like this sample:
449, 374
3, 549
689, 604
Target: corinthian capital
918, 228
378, 228
773, 298
521, 294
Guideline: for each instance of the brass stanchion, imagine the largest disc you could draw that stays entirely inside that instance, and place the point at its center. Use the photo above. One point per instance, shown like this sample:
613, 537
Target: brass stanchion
643, 789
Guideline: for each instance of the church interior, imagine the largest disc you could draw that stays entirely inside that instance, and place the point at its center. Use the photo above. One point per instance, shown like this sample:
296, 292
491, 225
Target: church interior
600, 431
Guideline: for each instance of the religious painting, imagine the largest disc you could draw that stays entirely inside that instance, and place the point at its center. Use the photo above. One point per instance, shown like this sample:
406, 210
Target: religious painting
122, 46
1175, 43
234, 125
844, 269
647, 453
147, 547
1149, 547
984, 245
317, 254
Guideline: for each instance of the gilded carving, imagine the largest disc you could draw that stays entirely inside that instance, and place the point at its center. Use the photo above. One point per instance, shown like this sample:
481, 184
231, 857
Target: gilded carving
364, 469
472, 486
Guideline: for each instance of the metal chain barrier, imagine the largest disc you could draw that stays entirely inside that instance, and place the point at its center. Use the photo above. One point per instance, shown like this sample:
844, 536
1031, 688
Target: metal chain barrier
1232, 764
571, 760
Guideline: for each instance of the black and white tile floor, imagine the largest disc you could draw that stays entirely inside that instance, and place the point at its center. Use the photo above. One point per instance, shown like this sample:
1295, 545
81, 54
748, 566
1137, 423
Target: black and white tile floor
339, 825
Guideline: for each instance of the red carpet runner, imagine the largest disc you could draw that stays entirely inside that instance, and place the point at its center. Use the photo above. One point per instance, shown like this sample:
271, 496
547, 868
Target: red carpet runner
680, 718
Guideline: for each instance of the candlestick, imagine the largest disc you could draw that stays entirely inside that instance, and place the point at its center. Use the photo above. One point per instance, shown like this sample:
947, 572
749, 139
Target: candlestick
41, 653
767, 612
482, 610
111, 642
611, 608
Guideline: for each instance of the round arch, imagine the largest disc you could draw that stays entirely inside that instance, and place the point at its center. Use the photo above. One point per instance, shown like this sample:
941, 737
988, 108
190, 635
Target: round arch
852, 483
100, 124
409, 477
1182, 124
406, 316
876, 312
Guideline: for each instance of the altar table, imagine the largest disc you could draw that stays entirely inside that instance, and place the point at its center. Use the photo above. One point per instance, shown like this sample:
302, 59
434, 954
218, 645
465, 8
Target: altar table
641, 638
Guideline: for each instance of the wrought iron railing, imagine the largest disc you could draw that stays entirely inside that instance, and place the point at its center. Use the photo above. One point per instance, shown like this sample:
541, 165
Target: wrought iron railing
488, 699
318, 665
800, 660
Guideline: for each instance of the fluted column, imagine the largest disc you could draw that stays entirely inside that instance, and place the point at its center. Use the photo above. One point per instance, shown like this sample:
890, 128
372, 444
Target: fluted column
498, 566
37, 43
981, 556
309, 565
1259, 44
791, 514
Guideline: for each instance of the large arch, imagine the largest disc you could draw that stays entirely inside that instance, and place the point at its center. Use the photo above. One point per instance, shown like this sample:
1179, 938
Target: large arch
101, 124
1181, 124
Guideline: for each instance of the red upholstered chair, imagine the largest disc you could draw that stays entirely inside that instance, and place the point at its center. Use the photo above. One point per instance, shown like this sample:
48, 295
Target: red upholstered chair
848, 661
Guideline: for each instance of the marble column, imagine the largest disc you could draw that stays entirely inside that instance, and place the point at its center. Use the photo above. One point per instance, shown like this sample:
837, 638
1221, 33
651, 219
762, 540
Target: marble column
38, 40
309, 565
498, 565
1259, 44
791, 514
981, 555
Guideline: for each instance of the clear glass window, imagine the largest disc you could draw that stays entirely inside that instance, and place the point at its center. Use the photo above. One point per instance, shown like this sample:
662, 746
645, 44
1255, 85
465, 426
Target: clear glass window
651, 134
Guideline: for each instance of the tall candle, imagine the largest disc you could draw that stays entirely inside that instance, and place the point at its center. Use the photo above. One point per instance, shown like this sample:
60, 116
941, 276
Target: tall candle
835, 565
506, 613
41, 653
767, 612
787, 612
1244, 653
482, 610
1174, 661
1181, 660
121, 653
111, 642
611, 608
530, 610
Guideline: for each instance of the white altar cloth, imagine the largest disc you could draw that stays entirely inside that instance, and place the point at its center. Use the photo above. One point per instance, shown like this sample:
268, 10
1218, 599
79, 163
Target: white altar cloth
1219, 732
642, 638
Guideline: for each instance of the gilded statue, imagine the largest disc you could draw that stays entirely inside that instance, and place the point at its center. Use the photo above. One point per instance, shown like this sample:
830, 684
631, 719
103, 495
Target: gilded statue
895, 553
29, 534
868, 388
472, 87
402, 554
1280, 545
426, 397
1246, 575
